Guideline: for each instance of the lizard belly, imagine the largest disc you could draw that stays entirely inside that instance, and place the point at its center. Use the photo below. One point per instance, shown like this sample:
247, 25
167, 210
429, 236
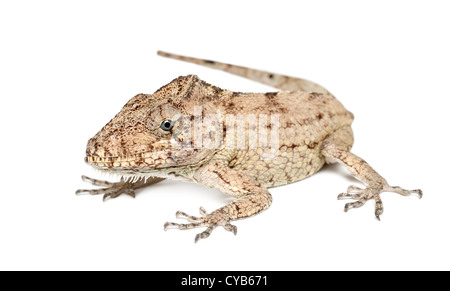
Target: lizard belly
292, 163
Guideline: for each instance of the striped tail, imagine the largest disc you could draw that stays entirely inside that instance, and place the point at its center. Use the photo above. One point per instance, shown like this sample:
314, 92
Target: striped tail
280, 82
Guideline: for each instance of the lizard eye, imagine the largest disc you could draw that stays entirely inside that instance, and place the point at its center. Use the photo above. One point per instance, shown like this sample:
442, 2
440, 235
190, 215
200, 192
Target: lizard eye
167, 125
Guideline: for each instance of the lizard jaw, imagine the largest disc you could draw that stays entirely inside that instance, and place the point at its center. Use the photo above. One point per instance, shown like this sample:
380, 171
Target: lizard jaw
133, 173
140, 161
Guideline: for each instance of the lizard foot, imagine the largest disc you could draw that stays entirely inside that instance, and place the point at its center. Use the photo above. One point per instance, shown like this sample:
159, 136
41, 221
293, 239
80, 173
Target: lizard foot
112, 190
211, 221
362, 195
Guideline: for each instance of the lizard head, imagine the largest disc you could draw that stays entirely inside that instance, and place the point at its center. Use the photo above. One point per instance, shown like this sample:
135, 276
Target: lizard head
152, 133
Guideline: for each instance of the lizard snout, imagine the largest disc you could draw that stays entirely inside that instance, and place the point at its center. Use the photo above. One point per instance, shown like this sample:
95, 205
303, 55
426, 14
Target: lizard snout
90, 148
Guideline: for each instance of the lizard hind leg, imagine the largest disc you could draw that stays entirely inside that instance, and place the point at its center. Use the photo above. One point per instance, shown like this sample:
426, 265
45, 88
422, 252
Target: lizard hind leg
336, 148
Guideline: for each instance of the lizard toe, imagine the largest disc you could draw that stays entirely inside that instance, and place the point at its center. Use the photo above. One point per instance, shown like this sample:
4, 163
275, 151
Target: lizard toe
211, 221
363, 195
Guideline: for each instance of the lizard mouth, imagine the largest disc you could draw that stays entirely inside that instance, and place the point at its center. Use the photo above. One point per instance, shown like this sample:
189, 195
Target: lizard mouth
143, 160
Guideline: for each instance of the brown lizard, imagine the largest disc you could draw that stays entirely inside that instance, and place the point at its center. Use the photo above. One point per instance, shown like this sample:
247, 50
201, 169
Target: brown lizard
167, 134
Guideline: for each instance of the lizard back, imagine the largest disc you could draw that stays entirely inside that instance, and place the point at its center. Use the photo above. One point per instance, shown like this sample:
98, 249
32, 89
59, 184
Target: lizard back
304, 121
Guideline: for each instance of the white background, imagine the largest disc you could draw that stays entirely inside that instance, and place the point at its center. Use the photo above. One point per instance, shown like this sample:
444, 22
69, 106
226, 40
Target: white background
66, 68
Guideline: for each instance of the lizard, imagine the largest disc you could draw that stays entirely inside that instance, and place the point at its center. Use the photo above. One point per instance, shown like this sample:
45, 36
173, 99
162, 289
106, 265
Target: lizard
141, 144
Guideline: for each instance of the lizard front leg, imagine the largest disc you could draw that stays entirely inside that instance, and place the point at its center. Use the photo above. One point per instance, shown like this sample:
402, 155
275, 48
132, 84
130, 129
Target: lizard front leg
113, 190
336, 148
251, 199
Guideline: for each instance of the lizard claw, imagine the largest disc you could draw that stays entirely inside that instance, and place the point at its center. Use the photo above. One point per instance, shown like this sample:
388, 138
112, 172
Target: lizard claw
204, 234
230, 227
211, 221
190, 218
363, 195
117, 193
115, 189
111, 190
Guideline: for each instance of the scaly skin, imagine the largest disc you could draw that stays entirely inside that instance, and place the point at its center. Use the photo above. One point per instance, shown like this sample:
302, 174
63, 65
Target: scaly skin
312, 127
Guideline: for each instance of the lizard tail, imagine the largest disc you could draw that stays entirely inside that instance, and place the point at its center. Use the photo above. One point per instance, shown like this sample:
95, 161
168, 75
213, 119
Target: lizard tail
275, 80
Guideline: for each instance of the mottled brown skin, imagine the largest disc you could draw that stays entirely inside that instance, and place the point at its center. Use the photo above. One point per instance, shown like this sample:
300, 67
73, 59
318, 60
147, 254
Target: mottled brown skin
314, 128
